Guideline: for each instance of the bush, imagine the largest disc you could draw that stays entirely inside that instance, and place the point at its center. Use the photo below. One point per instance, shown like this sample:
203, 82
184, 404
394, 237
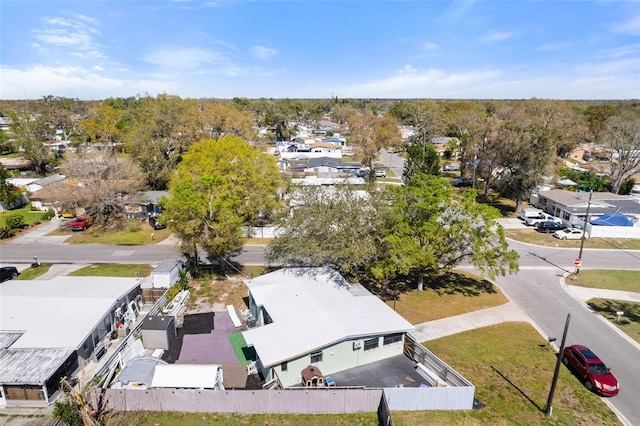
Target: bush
66, 411
6, 232
48, 214
15, 221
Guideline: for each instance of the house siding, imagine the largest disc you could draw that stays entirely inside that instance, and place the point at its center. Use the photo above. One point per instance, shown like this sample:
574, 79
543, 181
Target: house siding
339, 357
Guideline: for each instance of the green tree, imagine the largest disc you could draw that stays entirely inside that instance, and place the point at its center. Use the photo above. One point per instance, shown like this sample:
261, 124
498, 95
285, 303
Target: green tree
217, 188
430, 229
369, 133
106, 124
9, 193
326, 227
421, 228
597, 116
31, 133
421, 159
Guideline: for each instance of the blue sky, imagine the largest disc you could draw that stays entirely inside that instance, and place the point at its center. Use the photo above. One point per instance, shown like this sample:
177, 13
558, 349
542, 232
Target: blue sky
474, 49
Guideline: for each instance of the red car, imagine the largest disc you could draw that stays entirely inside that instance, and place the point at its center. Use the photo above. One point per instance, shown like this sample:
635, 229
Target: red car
594, 374
80, 224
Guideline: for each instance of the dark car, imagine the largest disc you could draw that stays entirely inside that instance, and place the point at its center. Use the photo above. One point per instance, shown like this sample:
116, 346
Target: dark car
8, 273
153, 222
463, 181
549, 226
591, 370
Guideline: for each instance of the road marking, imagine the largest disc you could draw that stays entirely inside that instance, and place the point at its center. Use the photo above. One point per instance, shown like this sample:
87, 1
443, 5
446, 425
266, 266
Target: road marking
122, 253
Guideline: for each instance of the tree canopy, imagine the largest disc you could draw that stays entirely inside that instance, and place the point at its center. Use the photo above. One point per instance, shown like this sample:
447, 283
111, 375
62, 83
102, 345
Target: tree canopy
219, 186
421, 228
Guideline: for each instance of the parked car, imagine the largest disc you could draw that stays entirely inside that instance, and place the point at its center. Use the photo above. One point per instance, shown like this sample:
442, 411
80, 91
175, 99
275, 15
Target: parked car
450, 168
542, 217
381, 173
8, 273
463, 181
80, 224
155, 224
549, 226
591, 370
569, 234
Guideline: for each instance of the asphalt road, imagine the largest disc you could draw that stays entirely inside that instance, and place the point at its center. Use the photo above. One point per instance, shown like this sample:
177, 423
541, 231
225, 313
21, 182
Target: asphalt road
537, 289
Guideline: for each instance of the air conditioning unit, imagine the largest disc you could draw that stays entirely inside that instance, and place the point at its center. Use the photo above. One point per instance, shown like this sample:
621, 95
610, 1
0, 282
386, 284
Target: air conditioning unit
357, 345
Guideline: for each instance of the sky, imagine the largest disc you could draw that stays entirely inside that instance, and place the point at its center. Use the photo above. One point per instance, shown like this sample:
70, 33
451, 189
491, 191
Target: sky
462, 49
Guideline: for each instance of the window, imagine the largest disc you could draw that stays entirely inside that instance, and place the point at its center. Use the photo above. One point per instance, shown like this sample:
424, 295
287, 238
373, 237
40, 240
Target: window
371, 344
316, 357
284, 366
393, 338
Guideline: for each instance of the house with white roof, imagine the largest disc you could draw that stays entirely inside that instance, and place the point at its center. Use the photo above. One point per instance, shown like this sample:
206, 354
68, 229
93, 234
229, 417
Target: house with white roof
313, 316
49, 328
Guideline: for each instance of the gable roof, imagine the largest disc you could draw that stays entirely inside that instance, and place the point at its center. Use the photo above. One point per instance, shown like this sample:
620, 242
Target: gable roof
313, 308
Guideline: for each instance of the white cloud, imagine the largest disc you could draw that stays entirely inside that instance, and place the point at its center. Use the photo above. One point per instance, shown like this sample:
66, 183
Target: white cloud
495, 36
78, 33
263, 52
410, 82
77, 82
430, 46
586, 81
552, 47
630, 26
184, 58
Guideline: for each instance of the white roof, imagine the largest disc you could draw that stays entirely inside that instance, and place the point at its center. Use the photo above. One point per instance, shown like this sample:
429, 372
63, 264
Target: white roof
312, 308
192, 376
58, 313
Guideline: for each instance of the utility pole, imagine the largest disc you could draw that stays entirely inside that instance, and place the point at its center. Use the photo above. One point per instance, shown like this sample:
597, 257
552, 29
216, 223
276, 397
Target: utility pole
549, 409
584, 230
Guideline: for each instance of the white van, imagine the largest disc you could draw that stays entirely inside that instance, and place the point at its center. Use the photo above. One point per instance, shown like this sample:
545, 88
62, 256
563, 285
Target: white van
530, 213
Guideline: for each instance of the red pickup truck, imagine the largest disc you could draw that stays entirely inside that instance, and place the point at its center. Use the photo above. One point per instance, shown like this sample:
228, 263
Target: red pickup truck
80, 224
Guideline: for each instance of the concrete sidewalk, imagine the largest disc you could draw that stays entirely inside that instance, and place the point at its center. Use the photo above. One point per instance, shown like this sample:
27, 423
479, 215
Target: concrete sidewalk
508, 312
584, 294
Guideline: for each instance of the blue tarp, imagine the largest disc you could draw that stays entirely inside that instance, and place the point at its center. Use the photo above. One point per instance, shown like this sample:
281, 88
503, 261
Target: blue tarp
615, 219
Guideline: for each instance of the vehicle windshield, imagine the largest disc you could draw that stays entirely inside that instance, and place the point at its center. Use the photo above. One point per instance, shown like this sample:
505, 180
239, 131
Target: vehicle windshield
599, 369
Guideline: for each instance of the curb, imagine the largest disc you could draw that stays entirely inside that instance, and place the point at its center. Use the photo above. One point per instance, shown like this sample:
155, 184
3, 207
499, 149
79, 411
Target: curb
622, 334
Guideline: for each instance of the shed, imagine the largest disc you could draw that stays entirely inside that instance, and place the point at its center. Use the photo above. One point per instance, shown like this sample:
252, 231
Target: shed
166, 274
188, 376
158, 331
312, 377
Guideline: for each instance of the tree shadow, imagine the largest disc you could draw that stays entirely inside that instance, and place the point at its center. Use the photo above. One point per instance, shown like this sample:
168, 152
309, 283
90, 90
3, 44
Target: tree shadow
612, 307
456, 283
506, 379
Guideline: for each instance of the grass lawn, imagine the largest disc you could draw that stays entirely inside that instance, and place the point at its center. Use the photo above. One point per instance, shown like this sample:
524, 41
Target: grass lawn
127, 233
629, 322
33, 273
113, 270
533, 237
512, 369
199, 419
30, 216
449, 294
606, 279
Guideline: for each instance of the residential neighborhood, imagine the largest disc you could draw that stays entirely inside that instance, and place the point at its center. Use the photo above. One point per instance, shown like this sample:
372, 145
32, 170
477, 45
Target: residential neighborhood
278, 270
